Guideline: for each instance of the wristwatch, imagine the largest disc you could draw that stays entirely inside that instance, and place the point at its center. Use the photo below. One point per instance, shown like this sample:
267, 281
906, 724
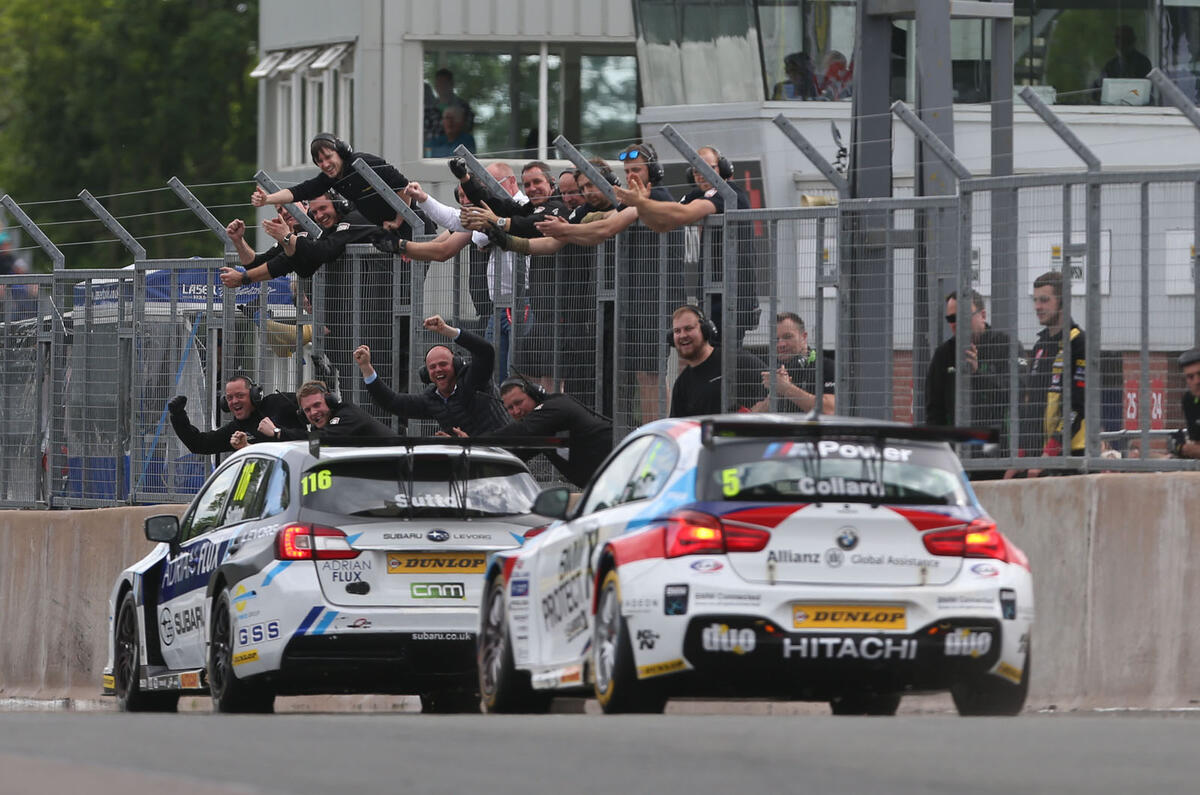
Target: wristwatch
246, 279
287, 238
502, 224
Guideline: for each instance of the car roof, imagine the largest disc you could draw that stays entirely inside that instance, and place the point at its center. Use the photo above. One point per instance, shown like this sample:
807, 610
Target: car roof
679, 425
298, 452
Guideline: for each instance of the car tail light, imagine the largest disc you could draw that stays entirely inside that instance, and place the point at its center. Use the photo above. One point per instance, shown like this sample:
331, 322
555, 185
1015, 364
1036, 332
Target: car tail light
695, 533
979, 539
312, 542
535, 531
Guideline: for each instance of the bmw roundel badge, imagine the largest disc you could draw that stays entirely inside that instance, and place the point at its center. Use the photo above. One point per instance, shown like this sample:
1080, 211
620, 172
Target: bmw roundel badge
437, 535
847, 539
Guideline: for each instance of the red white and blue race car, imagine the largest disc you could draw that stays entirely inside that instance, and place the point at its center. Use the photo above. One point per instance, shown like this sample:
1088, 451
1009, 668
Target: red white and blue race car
829, 559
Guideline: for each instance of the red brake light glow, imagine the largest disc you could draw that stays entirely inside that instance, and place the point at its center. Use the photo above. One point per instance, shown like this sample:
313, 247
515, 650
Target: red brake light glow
305, 542
979, 539
696, 533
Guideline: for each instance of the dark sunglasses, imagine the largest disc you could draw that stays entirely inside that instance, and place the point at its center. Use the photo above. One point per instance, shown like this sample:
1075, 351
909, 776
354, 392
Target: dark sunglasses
952, 318
632, 154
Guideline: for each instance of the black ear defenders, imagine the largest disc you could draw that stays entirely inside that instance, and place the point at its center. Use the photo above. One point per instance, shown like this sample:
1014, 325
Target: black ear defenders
331, 400
339, 146
458, 362
535, 392
256, 392
708, 329
654, 169
724, 167
607, 173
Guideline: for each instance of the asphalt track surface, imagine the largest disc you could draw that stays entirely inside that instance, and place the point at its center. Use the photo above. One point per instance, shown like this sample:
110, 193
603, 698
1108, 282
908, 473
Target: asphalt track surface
198, 754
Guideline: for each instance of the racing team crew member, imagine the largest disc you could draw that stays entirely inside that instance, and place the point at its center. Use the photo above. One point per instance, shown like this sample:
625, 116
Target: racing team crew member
460, 393
505, 212
538, 413
335, 420
1186, 443
333, 156
987, 368
1042, 410
796, 378
245, 400
697, 390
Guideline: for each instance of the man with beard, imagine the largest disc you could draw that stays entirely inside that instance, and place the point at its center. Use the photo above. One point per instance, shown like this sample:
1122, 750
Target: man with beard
697, 391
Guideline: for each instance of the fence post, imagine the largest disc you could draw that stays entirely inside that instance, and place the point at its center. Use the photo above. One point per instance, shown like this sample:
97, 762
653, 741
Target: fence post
1060, 128
201, 212
1173, 94
568, 150
34, 231
489, 183
388, 194
306, 223
113, 225
828, 171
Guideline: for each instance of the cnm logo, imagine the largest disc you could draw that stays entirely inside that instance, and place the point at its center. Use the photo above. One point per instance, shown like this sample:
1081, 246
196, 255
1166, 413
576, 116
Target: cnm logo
439, 590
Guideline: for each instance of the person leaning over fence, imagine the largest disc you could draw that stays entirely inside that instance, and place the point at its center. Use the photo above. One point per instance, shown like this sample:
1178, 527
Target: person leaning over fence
796, 379
504, 212
1042, 410
697, 390
987, 363
538, 413
1185, 443
333, 156
460, 393
334, 420
249, 406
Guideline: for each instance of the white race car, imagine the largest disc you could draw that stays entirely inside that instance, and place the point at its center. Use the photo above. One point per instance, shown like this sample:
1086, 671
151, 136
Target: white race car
358, 571
830, 559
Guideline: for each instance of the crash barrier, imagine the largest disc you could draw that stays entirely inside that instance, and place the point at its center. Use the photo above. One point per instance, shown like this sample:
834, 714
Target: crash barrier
90, 358
1111, 555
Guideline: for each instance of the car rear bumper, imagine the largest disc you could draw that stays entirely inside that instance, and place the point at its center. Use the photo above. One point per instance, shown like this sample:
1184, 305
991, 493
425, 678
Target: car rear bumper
391, 662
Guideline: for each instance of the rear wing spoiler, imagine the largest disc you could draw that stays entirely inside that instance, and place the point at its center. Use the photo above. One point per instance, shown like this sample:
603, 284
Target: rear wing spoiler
713, 430
316, 442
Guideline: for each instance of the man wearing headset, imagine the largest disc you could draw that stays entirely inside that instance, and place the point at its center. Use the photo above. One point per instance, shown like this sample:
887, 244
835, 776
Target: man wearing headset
702, 201
460, 394
250, 408
1186, 442
504, 212
333, 157
326, 413
536, 413
697, 390
796, 379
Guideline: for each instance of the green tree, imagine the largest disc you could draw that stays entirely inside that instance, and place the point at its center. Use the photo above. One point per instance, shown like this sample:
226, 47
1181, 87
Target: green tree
117, 96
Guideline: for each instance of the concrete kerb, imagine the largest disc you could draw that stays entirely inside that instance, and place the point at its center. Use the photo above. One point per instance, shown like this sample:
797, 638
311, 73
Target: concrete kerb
1113, 562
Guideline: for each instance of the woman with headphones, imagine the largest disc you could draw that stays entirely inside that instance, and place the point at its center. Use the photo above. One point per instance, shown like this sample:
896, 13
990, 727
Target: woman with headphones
334, 157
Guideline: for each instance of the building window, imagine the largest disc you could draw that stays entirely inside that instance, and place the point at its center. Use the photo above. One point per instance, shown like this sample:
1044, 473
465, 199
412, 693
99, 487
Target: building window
314, 92
807, 48
591, 99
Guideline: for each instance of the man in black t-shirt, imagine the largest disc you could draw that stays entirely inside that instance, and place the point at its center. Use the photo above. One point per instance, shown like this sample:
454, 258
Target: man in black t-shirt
1189, 447
697, 390
796, 379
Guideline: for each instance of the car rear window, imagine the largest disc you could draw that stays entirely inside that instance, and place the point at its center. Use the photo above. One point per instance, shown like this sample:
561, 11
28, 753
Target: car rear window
439, 487
833, 470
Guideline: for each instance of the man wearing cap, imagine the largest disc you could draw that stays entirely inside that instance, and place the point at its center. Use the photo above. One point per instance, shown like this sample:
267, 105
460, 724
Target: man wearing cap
1187, 442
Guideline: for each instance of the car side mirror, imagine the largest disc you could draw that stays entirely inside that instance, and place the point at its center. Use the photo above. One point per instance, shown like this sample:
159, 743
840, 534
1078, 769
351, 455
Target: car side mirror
553, 502
163, 528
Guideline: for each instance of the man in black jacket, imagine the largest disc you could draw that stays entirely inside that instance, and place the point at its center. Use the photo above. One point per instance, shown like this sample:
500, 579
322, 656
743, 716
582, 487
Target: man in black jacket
460, 394
336, 421
987, 369
250, 408
538, 414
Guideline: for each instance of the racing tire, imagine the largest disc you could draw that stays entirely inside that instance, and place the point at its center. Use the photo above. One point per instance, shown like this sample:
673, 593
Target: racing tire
865, 704
989, 695
449, 702
127, 653
504, 688
230, 694
617, 686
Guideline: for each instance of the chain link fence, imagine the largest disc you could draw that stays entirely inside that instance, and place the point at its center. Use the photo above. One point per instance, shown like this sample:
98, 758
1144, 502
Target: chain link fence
837, 308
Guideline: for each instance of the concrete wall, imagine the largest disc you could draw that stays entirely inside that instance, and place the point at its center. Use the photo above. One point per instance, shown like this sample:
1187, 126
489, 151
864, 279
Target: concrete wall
1116, 565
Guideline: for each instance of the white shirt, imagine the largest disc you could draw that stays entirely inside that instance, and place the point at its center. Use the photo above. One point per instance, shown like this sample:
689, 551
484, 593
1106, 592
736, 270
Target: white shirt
448, 217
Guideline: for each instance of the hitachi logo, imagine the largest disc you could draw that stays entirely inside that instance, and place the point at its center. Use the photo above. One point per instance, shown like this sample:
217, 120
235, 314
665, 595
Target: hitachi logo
869, 648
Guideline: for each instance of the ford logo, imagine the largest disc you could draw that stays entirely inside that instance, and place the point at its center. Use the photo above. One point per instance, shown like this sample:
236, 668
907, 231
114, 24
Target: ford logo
847, 539
437, 535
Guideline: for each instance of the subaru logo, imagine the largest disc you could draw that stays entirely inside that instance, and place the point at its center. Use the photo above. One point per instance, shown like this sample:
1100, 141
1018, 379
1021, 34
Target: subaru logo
847, 539
437, 535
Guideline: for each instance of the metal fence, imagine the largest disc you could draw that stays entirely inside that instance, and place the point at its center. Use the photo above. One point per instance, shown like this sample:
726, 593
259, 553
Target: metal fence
89, 359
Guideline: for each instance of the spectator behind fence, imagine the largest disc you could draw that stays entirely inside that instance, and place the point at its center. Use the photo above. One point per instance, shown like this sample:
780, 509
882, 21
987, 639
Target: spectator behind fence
704, 200
17, 301
334, 157
538, 413
334, 420
569, 190
1128, 62
801, 80
249, 406
460, 393
454, 133
1186, 441
987, 364
443, 84
641, 160
837, 76
697, 390
505, 212
796, 378
1042, 410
